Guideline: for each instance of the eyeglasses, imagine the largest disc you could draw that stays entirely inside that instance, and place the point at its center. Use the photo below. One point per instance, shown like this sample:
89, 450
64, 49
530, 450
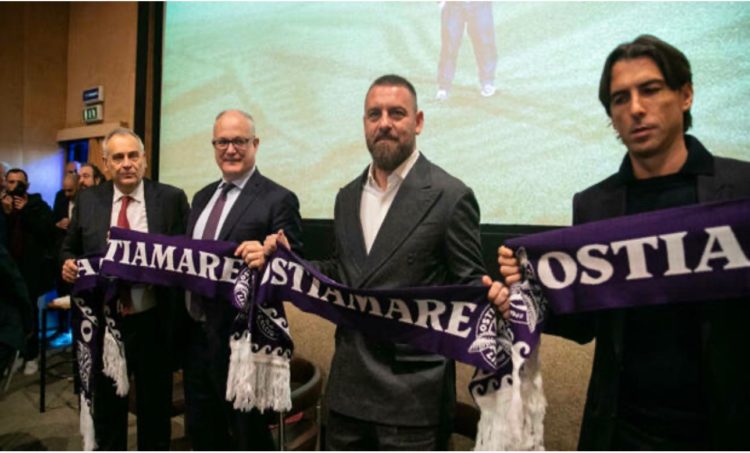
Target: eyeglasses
223, 143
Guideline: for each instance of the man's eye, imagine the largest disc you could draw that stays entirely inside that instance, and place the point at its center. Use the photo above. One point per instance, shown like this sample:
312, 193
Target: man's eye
618, 100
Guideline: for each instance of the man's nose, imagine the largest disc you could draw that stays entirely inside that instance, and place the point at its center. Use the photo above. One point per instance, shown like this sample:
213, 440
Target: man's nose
636, 105
385, 121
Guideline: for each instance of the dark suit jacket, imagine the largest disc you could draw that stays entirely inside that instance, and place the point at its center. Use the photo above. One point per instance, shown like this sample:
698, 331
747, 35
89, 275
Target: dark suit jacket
15, 305
60, 207
430, 236
166, 213
262, 208
725, 338
37, 236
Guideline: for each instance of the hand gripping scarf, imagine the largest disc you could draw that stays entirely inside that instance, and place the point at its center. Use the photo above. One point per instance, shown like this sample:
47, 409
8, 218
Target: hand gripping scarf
672, 256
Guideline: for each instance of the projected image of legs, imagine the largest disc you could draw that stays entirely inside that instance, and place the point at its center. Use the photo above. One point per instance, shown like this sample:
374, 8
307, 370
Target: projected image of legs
476, 18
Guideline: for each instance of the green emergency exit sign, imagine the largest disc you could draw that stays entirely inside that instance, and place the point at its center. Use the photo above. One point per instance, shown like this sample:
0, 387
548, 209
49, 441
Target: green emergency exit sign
93, 113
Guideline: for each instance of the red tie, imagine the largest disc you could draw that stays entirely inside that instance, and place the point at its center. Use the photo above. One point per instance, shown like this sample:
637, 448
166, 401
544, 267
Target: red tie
122, 217
126, 299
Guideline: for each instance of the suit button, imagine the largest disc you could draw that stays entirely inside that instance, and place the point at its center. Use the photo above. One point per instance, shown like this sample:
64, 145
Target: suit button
410, 258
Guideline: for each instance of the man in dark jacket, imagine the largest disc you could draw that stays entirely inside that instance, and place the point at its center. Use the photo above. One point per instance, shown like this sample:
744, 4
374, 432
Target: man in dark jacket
131, 201
668, 377
15, 309
28, 220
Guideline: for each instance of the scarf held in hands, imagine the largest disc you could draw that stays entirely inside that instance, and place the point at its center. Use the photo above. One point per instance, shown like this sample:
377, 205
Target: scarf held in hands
678, 255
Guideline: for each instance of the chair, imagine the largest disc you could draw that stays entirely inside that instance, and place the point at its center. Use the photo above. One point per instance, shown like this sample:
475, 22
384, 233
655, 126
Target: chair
466, 421
11, 370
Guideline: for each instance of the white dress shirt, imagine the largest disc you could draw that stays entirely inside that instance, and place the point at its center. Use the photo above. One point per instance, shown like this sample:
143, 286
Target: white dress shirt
141, 295
376, 202
232, 196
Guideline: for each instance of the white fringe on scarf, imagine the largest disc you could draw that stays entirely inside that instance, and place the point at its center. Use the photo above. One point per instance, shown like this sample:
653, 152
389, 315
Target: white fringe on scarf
87, 425
512, 418
257, 380
114, 363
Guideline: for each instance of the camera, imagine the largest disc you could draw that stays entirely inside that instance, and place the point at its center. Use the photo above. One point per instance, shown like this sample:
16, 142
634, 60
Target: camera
19, 190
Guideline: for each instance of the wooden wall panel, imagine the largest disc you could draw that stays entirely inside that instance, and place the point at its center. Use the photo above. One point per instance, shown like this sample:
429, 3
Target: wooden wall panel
11, 82
101, 51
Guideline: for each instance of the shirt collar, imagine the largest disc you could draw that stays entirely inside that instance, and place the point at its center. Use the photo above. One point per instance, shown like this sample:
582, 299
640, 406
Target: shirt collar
699, 161
397, 175
135, 195
241, 180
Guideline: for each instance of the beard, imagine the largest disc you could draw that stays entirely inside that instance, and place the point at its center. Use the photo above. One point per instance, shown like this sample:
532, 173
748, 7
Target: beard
387, 155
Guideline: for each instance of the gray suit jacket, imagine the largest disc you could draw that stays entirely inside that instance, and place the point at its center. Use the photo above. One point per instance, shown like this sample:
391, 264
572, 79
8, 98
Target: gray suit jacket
725, 340
430, 236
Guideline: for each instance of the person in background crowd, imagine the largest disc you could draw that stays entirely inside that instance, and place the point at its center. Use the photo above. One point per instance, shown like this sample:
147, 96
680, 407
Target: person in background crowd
30, 238
89, 175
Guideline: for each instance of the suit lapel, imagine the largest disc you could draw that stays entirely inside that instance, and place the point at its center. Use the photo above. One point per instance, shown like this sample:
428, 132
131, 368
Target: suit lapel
413, 201
104, 201
250, 192
710, 188
154, 216
350, 225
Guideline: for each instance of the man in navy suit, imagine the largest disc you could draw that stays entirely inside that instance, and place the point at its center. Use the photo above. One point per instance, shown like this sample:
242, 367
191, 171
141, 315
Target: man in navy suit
243, 206
130, 201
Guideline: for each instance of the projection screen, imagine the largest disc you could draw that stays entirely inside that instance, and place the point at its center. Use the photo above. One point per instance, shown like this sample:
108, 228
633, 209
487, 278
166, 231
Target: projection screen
302, 70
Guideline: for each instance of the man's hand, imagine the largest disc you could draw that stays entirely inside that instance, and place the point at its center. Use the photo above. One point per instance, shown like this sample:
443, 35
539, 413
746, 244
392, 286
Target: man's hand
63, 223
7, 202
498, 295
509, 268
70, 271
269, 245
20, 202
252, 254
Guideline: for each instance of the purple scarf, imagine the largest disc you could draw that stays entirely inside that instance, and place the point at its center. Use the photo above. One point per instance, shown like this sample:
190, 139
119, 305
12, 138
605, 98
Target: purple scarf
681, 255
671, 256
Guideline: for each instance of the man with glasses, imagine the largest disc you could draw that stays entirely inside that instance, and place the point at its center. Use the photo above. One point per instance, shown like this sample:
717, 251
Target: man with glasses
242, 206
131, 201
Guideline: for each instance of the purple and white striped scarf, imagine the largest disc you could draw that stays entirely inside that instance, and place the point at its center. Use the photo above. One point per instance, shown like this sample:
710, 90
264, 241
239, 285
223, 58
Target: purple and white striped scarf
671, 256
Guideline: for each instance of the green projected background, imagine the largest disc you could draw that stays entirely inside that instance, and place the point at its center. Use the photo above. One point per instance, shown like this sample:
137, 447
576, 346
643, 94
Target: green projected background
302, 70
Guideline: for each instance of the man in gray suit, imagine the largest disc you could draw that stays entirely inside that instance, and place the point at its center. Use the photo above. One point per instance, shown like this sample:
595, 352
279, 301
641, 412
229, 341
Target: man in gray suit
131, 201
403, 222
667, 377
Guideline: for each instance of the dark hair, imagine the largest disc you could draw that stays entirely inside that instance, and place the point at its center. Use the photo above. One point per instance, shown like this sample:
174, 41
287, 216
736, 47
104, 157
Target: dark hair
672, 63
98, 175
393, 80
18, 170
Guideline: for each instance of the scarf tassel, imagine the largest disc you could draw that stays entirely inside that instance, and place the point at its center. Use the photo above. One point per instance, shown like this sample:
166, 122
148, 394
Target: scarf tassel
257, 380
512, 418
114, 363
87, 425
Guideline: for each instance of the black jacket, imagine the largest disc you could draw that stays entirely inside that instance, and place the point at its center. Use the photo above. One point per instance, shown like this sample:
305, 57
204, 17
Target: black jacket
725, 338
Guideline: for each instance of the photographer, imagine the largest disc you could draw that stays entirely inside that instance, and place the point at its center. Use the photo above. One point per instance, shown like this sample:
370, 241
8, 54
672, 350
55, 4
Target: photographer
30, 233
